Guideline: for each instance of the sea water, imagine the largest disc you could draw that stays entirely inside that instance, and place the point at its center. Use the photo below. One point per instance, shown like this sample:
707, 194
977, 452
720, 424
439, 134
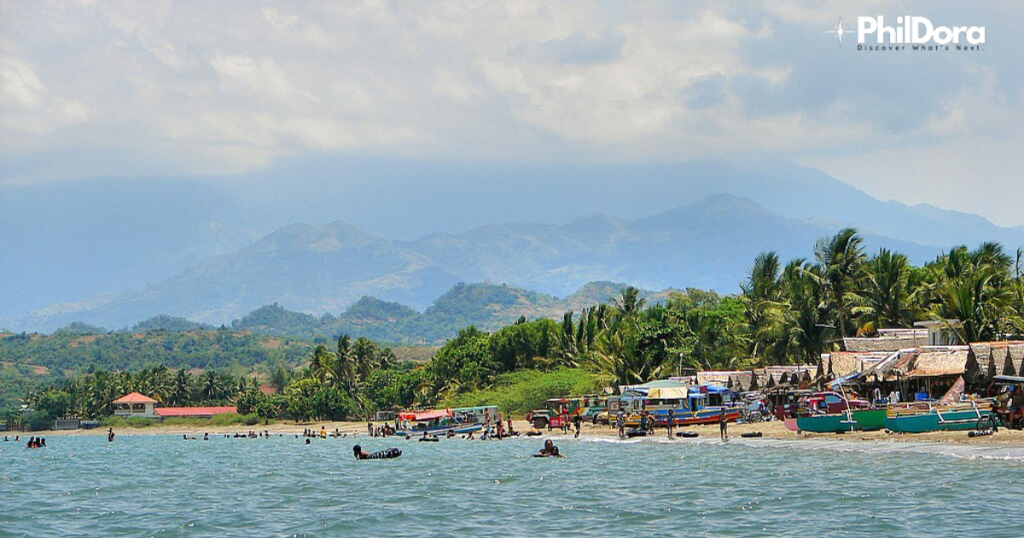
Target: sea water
158, 485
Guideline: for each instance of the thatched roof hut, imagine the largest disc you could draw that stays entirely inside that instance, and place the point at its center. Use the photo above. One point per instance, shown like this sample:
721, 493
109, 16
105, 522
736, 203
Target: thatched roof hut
989, 359
888, 340
942, 362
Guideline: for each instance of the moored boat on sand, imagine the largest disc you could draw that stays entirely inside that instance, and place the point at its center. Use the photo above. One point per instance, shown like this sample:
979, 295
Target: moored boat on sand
927, 417
855, 420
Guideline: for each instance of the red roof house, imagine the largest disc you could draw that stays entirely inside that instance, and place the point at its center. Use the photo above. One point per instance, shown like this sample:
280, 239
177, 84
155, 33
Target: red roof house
193, 412
134, 405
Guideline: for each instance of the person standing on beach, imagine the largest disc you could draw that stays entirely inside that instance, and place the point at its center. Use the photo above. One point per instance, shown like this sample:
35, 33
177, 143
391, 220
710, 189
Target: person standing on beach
620, 421
723, 427
671, 424
577, 421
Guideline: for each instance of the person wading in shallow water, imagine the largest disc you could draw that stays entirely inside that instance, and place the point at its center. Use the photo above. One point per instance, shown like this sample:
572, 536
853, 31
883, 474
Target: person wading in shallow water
723, 427
671, 424
577, 421
110, 435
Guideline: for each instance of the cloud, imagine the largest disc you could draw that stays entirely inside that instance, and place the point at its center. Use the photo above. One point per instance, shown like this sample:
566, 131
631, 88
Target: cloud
202, 88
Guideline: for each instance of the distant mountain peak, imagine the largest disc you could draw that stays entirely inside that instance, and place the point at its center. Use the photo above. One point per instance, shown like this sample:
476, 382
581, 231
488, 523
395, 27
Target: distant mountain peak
304, 237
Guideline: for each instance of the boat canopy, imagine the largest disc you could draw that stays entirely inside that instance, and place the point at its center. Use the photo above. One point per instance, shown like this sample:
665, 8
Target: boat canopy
421, 416
667, 393
1008, 379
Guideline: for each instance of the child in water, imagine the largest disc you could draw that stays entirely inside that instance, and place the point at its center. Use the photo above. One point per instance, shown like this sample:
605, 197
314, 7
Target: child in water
549, 451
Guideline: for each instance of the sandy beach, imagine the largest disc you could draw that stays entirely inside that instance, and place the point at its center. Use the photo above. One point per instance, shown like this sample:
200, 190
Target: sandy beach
768, 430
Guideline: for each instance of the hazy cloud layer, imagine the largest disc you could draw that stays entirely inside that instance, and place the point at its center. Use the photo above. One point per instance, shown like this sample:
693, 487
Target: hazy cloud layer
184, 88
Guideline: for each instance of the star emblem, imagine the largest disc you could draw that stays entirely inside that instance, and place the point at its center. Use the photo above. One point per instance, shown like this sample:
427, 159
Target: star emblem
839, 31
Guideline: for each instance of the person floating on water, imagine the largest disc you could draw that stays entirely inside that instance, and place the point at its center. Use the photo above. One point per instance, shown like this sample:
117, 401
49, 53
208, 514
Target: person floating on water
723, 425
357, 451
549, 451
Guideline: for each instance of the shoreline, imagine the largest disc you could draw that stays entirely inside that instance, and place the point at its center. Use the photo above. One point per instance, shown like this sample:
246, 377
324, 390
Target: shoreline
774, 430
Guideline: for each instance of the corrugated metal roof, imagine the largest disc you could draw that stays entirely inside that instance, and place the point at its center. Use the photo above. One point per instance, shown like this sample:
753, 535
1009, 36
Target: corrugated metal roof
168, 412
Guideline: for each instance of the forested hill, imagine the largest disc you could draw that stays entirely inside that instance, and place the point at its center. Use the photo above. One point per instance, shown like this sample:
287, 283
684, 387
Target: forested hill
33, 360
486, 306
272, 335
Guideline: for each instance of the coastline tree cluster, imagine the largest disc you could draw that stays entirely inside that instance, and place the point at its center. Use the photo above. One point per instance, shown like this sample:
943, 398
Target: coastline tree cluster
783, 314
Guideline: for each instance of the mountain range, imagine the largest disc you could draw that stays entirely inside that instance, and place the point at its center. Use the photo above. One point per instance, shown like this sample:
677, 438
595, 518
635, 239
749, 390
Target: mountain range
127, 251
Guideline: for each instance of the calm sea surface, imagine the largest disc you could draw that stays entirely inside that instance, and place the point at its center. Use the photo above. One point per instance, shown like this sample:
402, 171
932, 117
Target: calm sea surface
165, 486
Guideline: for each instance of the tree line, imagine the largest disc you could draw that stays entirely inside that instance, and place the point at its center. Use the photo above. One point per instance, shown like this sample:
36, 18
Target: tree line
784, 314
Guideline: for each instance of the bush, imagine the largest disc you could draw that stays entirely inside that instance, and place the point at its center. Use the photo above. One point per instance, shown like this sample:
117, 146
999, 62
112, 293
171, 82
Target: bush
39, 420
121, 422
525, 390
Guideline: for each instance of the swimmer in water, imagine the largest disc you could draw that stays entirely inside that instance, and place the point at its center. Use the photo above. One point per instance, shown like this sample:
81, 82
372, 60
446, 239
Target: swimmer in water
549, 451
357, 451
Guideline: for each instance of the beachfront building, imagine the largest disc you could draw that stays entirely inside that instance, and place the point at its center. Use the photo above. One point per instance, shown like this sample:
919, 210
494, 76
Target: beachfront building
889, 340
920, 373
134, 405
986, 360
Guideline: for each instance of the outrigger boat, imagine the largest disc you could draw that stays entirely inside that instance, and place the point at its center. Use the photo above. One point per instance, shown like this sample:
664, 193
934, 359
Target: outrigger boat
927, 417
829, 412
438, 422
853, 420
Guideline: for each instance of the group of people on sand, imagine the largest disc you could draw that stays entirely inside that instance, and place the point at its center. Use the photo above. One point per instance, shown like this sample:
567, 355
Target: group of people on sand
383, 430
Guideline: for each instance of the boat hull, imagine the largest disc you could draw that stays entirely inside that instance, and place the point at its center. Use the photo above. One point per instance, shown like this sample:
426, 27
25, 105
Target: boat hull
931, 422
863, 420
441, 431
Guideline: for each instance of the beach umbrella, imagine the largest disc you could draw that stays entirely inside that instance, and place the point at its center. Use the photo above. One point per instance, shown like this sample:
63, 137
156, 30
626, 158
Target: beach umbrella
753, 382
771, 382
784, 378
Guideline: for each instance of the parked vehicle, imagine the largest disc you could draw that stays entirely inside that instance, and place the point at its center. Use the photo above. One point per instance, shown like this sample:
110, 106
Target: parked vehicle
556, 409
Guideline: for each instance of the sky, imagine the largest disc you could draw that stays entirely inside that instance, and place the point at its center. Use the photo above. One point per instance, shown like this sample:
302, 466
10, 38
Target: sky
155, 89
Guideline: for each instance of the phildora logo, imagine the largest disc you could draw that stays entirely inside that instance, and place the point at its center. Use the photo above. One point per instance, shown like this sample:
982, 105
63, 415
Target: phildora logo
911, 33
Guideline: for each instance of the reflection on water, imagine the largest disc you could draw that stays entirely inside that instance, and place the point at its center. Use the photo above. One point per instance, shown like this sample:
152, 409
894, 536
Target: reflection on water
164, 486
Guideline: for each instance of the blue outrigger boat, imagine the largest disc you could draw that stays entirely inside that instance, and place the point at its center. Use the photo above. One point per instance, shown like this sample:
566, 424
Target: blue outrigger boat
927, 417
438, 422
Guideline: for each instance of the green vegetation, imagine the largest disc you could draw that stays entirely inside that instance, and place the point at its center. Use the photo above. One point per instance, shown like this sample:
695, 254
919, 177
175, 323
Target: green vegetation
798, 311
784, 314
33, 361
523, 391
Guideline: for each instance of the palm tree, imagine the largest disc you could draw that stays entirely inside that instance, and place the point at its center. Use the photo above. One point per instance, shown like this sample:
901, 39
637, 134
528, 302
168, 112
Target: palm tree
807, 311
889, 292
764, 308
211, 386
319, 362
629, 301
840, 265
976, 301
181, 388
